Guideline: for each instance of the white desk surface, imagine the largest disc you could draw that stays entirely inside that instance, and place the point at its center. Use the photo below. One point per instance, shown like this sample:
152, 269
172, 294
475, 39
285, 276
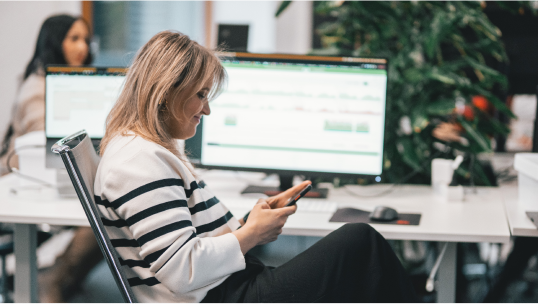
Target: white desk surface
520, 224
481, 218
38, 206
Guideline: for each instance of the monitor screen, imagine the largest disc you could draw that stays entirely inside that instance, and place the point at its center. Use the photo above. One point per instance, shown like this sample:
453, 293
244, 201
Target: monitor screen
296, 114
78, 98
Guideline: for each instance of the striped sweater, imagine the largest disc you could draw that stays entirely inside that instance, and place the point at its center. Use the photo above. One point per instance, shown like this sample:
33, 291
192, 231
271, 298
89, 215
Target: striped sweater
171, 233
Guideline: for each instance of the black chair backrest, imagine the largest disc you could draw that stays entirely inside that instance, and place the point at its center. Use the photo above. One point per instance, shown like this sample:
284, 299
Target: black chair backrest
81, 162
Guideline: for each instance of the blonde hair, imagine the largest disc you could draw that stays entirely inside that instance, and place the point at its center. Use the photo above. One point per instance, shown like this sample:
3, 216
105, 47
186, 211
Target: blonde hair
169, 64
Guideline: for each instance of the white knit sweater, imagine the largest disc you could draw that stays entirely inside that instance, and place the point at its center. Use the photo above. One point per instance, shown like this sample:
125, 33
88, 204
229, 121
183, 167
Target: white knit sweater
171, 233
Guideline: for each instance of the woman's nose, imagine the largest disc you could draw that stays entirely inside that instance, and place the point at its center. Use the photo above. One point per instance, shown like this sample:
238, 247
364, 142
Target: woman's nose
206, 110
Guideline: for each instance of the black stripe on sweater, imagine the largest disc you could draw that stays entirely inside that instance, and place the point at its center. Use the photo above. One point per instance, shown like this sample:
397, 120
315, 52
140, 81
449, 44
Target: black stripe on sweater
144, 214
150, 258
101, 202
204, 205
124, 243
193, 186
138, 281
141, 190
162, 231
113, 223
134, 263
155, 209
215, 224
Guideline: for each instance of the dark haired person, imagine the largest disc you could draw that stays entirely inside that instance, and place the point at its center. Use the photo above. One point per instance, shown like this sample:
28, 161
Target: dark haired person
63, 39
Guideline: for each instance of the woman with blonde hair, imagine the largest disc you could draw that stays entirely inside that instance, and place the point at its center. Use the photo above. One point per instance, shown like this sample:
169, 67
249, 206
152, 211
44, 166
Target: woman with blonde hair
177, 242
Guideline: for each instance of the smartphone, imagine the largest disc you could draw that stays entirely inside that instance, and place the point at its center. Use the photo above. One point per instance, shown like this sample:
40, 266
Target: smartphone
294, 200
291, 202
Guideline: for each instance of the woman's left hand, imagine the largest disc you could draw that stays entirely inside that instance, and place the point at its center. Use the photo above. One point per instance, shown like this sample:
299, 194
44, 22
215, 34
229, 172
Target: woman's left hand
282, 199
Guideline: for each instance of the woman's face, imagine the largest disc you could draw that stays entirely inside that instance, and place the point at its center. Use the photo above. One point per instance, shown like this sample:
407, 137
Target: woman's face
75, 44
189, 114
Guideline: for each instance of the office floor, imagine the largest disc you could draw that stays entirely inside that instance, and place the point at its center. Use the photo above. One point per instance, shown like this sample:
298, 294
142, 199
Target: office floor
100, 287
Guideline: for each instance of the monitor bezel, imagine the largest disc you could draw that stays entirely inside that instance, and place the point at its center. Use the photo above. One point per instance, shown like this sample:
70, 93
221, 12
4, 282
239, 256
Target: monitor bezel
299, 59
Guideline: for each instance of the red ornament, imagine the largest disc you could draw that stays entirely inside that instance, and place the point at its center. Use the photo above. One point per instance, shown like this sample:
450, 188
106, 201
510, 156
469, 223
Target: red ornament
481, 103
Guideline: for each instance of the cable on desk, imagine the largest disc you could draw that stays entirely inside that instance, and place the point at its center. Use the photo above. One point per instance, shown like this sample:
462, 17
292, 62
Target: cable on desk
16, 171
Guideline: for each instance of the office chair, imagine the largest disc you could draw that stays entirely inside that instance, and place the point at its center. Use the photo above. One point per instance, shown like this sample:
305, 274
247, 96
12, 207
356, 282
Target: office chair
81, 161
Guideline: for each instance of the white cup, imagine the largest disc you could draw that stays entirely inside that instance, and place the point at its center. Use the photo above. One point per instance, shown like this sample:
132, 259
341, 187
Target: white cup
442, 171
442, 174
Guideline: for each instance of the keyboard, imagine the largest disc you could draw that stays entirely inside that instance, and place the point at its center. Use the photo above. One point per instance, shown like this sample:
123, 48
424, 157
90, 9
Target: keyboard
317, 206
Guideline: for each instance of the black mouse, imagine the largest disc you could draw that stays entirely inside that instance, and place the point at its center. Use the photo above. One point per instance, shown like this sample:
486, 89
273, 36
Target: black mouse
383, 213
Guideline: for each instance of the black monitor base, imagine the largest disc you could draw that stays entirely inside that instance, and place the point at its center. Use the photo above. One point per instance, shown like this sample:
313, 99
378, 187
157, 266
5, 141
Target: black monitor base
285, 183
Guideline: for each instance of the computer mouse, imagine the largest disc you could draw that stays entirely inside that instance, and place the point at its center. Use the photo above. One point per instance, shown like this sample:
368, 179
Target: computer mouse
383, 213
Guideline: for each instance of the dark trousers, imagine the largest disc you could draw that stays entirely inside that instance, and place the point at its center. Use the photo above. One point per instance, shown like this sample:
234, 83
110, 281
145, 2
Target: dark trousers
352, 264
524, 248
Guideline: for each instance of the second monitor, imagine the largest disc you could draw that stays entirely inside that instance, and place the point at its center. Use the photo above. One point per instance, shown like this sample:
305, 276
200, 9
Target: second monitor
78, 98
296, 115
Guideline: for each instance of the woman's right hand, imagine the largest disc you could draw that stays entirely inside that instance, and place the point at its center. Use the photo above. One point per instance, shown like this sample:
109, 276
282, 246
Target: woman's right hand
264, 225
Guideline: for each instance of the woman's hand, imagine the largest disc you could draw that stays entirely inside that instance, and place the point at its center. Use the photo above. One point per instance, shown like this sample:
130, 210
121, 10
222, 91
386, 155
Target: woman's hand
264, 225
282, 199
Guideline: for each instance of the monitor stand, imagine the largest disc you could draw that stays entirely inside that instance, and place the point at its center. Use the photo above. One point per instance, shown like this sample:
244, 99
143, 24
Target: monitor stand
286, 182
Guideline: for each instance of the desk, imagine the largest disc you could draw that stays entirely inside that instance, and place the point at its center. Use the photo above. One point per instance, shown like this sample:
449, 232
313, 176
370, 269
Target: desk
480, 219
520, 224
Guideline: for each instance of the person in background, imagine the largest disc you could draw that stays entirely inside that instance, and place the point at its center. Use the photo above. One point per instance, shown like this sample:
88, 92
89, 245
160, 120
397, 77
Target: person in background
62, 40
176, 240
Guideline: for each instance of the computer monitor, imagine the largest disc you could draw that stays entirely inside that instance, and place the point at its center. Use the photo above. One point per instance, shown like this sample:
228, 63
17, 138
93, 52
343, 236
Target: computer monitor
296, 115
78, 98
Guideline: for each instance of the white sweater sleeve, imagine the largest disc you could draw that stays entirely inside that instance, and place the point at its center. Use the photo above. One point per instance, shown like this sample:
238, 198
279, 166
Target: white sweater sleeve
154, 196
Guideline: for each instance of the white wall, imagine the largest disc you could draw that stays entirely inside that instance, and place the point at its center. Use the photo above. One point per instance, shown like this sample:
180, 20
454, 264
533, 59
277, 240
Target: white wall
294, 28
291, 32
19, 26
